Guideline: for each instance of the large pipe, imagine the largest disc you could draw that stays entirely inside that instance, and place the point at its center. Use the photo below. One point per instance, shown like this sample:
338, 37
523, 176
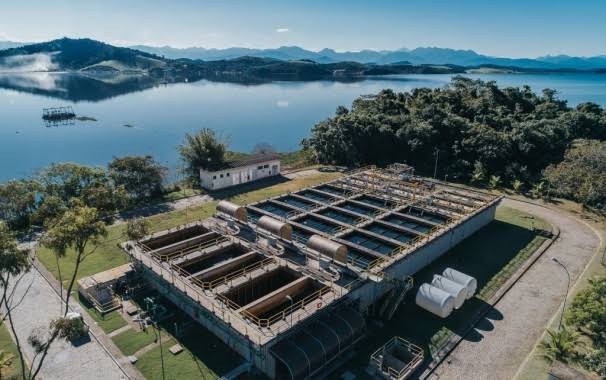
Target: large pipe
328, 248
275, 227
233, 210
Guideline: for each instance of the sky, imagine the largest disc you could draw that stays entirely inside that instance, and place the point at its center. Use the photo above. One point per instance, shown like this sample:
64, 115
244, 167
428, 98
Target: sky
505, 28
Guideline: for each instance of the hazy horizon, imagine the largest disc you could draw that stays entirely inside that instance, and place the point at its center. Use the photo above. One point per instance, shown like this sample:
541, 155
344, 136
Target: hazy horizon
514, 29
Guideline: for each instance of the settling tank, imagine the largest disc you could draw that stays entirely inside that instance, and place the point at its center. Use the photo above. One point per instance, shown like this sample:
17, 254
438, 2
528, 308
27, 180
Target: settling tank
435, 300
469, 282
458, 291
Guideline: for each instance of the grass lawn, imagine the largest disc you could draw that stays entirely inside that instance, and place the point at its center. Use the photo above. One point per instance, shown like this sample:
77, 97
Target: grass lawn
204, 357
491, 256
8, 346
131, 341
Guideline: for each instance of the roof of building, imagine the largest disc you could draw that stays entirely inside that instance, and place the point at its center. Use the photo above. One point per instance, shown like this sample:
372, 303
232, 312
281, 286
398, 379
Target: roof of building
252, 159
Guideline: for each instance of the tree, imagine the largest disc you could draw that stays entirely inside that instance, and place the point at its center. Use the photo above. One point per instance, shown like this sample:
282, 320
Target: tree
581, 176
77, 229
203, 149
141, 176
18, 202
560, 345
91, 185
14, 262
587, 311
538, 189
137, 229
263, 148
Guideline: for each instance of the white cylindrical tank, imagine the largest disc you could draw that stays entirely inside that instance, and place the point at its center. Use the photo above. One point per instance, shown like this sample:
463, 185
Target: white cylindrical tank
435, 300
458, 291
469, 282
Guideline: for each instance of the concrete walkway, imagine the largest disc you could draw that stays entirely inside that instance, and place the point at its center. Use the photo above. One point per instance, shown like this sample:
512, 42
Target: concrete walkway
64, 361
508, 333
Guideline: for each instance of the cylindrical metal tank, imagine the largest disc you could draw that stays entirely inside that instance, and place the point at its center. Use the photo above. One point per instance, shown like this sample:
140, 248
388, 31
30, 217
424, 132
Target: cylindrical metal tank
469, 282
458, 291
233, 210
276, 227
435, 300
328, 248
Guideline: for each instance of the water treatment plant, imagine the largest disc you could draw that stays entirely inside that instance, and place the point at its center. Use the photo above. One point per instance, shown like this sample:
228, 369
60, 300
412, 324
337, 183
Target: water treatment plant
288, 282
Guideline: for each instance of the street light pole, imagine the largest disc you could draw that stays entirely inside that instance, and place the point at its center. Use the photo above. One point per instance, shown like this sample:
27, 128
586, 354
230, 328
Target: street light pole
291, 305
567, 288
435, 168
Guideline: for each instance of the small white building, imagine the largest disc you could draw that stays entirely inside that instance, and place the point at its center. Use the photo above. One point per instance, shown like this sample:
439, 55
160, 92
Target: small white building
236, 172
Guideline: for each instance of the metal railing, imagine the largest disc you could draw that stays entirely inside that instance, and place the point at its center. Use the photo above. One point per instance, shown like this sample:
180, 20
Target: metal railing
396, 342
281, 315
187, 250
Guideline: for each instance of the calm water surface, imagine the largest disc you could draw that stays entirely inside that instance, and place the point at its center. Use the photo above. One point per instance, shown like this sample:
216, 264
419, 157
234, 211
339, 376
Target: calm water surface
154, 120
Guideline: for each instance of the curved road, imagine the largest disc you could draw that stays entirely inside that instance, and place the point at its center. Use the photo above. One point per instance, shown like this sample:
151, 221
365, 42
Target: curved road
509, 332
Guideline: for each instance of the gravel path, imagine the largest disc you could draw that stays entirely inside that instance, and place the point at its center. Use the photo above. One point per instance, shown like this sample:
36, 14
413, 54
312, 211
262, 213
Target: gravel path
64, 361
500, 342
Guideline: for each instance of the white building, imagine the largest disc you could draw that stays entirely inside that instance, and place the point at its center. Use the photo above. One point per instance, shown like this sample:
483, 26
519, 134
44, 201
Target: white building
236, 172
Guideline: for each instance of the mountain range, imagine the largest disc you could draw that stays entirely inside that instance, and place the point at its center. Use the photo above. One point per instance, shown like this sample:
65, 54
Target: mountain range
418, 56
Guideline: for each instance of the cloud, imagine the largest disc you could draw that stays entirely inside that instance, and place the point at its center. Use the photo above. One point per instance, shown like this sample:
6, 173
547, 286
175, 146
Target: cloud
36, 62
282, 30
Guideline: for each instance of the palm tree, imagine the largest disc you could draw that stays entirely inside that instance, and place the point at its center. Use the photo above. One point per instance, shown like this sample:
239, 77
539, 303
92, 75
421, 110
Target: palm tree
494, 181
560, 344
517, 185
538, 189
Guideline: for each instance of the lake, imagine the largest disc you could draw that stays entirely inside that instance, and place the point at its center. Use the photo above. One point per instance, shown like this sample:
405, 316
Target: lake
134, 117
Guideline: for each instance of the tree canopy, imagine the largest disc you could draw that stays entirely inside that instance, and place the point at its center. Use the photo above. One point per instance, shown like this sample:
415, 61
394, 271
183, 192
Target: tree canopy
203, 149
141, 176
513, 133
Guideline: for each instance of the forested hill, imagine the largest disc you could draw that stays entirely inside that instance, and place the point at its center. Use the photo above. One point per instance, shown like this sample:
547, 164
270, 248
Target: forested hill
478, 130
91, 56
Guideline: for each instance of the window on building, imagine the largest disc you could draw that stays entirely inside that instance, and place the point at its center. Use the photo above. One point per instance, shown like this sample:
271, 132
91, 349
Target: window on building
221, 176
214, 177
259, 167
227, 174
265, 166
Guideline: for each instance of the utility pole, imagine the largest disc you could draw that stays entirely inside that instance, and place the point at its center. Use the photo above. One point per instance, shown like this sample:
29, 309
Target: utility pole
435, 168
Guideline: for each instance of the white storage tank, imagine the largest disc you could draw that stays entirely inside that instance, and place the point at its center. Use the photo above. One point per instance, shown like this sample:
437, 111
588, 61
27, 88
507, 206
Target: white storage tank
458, 291
469, 282
435, 300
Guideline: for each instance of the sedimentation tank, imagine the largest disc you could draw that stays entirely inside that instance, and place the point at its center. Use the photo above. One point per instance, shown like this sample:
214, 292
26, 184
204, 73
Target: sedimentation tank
458, 291
469, 282
435, 300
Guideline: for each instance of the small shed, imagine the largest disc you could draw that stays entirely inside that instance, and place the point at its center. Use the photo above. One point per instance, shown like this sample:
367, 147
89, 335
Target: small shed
236, 172
98, 288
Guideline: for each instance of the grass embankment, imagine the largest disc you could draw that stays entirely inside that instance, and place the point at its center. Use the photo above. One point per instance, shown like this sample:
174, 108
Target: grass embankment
491, 255
7, 345
131, 341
